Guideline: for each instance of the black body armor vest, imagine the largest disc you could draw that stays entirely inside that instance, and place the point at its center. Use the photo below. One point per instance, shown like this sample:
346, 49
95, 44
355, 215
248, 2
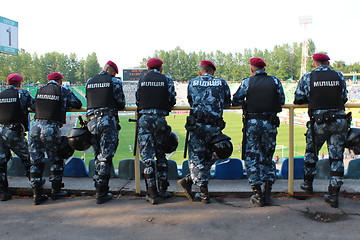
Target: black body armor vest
325, 90
153, 92
10, 109
48, 103
262, 95
99, 92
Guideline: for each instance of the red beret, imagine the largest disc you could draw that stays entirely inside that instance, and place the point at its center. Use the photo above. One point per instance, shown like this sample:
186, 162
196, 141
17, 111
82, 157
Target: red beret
154, 63
111, 63
14, 78
320, 57
257, 62
55, 76
207, 63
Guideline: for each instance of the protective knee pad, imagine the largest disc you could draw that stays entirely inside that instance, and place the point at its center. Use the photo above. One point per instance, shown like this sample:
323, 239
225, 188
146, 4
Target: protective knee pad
338, 163
149, 170
103, 170
36, 171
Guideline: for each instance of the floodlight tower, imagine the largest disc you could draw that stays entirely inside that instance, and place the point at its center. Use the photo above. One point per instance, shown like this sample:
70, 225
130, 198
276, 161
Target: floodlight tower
305, 22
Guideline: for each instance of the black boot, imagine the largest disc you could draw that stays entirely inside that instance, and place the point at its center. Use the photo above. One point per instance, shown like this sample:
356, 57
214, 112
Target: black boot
102, 193
152, 195
203, 196
163, 186
186, 184
333, 197
267, 193
307, 185
39, 197
257, 199
4, 190
56, 192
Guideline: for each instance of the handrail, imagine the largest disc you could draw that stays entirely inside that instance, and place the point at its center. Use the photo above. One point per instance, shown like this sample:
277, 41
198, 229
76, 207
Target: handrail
291, 108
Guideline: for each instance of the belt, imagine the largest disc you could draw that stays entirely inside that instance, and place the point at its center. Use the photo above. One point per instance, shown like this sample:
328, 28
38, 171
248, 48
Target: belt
100, 113
260, 116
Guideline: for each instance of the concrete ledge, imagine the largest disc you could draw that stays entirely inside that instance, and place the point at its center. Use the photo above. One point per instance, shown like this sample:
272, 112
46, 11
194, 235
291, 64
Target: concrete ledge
85, 187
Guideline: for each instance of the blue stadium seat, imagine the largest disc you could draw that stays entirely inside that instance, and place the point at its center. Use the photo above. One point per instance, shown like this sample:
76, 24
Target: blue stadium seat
323, 169
185, 168
92, 169
127, 169
353, 171
230, 168
298, 168
75, 167
172, 170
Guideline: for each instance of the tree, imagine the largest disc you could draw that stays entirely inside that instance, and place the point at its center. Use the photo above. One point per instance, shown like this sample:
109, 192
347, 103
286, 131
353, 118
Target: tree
92, 66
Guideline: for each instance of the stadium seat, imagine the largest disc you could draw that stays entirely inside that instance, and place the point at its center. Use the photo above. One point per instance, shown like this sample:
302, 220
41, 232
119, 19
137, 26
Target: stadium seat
127, 169
75, 167
323, 169
185, 168
15, 167
298, 168
92, 169
353, 171
230, 168
172, 170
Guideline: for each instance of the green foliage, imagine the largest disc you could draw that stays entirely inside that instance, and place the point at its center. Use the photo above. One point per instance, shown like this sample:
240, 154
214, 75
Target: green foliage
35, 68
284, 61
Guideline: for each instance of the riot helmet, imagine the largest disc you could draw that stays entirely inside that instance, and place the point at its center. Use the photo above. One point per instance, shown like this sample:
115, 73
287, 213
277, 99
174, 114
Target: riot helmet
171, 142
80, 138
221, 146
353, 140
65, 150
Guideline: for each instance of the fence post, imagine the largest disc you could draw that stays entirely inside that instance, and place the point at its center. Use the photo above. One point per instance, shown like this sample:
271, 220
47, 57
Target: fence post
137, 162
291, 151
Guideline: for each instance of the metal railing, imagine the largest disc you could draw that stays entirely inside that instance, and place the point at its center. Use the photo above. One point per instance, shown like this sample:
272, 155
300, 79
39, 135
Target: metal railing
290, 107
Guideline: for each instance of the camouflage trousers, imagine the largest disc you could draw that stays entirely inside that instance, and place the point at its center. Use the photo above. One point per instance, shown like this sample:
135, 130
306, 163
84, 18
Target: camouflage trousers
334, 134
151, 135
45, 138
201, 157
105, 140
16, 142
259, 150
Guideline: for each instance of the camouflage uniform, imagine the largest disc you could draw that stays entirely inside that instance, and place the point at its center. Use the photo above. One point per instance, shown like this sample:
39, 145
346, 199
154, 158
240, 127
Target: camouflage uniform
334, 133
260, 136
152, 130
104, 127
45, 138
207, 96
13, 138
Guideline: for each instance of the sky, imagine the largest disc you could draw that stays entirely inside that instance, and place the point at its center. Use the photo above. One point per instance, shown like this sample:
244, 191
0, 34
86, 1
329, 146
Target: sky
128, 31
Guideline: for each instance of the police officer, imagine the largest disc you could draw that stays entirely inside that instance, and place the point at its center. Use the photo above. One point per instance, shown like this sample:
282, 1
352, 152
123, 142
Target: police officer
261, 96
155, 96
207, 96
51, 103
14, 104
325, 92
105, 97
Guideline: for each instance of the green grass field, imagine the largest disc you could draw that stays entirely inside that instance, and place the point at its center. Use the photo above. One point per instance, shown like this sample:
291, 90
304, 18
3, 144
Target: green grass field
177, 122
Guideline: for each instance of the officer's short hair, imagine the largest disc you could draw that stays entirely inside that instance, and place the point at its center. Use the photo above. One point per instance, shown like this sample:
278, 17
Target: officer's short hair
207, 69
157, 68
